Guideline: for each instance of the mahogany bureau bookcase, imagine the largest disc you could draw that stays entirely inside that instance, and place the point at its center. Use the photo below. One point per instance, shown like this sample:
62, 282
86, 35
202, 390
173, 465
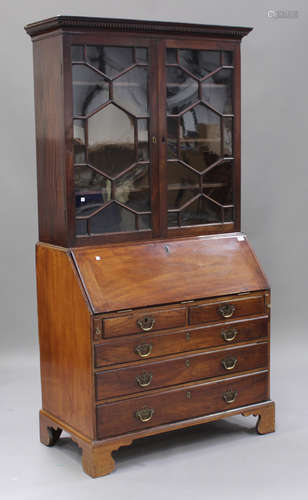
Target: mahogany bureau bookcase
153, 310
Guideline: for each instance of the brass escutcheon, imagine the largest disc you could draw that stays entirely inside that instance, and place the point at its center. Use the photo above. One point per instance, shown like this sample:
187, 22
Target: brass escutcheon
146, 323
229, 363
188, 395
187, 363
226, 310
144, 379
230, 396
143, 350
229, 335
144, 414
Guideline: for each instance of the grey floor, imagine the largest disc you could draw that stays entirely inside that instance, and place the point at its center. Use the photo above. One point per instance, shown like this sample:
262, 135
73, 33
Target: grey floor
224, 459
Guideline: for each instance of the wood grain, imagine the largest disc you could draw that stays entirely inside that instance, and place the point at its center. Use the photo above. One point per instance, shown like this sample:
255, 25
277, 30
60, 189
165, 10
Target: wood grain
177, 404
145, 274
65, 340
177, 370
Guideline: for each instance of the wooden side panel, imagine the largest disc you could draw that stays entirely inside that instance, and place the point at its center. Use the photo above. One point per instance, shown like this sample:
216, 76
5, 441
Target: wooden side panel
139, 275
65, 340
50, 139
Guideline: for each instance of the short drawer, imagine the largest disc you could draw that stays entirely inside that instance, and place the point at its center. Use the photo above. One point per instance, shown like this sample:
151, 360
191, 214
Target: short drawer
151, 345
156, 374
141, 412
226, 309
144, 321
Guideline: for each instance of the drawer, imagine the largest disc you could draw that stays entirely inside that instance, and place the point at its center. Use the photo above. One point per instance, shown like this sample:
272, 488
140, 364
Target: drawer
134, 347
155, 374
144, 321
226, 309
141, 412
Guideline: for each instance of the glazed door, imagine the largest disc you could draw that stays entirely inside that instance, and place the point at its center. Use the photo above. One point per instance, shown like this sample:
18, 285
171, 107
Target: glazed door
201, 121
112, 123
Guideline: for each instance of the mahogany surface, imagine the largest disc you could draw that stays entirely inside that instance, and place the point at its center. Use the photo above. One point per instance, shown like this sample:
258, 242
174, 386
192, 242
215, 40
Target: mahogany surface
145, 274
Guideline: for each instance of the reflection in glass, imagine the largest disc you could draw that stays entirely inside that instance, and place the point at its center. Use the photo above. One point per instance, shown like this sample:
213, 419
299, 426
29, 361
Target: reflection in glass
171, 56
200, 62
217, 91
227, 136
109, 60
133, 189
91, 190
131, 91
143, 139
182, 90
144, 221
227, 58
111, 146
201, 211
200, 137
183, 184
79, 132
112, 219
141, 55
172, 219
172, 142
218, 183
81, 227
77, 53
90, 90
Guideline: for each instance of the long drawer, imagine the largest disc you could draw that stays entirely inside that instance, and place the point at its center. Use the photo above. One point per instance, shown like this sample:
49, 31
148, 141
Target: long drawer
155, 374
149, 345
231, 307
179, 404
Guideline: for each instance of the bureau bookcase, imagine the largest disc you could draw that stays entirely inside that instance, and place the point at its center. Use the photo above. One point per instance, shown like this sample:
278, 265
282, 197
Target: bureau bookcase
154, 313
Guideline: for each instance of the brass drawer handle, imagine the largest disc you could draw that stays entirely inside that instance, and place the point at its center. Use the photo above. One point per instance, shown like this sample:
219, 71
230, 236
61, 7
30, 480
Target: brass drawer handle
229, 363
146, 323
226, 310
230, 396
144, 350
144, 379
144, 414
229, 335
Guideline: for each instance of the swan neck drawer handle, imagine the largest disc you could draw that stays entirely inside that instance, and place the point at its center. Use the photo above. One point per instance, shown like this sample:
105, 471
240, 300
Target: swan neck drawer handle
229, 335
146, 323
144, 379
226, 310
230, 396
229, 363
144, 414
143, 350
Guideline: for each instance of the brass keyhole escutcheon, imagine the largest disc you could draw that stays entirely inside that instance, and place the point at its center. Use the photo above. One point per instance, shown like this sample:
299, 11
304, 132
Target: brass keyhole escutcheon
187, 336
187, 363
188, 395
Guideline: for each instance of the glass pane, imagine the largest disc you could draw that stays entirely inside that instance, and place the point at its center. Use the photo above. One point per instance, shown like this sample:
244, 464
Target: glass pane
201, 211
90, 90
131, 91
200, 137
217, 91
77, 53
91, 190
228, 215
79, 132
79, 154
141, 55
227, 136
172, 219
81, 227
183, 184
182, 90
111, 146
227, 58
144, 221
200, 62
143, 140
218, 183
112, 219
172, 142
133, 189
110, 60
171, 56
